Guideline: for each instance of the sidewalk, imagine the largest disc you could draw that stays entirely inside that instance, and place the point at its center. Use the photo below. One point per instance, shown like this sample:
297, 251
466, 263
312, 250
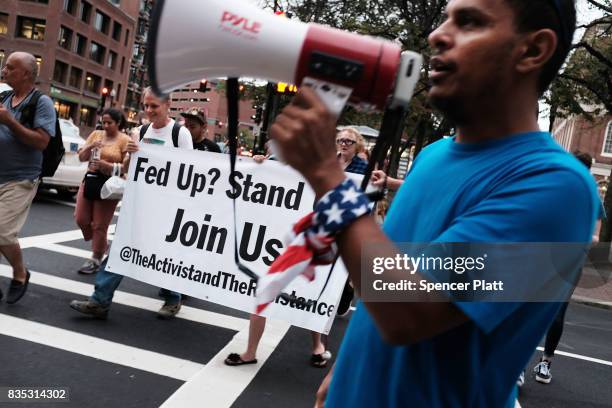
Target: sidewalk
595, 286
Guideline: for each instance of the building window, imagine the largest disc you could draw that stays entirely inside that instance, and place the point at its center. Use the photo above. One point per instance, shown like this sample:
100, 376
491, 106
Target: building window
97, 52
127, 37
65, 110
122, 65
2, 55
70, 6
112, 60
60, 71
65, 38
80, 45
88, 117
38, 1
115, 2
607, 147
3, 23
116, 31
92, 83
38, 63
102, 22
30, 28
85, 12
76, 76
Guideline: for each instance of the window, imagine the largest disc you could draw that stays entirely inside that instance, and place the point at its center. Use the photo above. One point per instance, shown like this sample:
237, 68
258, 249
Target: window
30, 28
112, 60
97, 52
64, 110
2, 55
80, 45
38, 1
76, 76
115, 2
60, 71
38, 62
88, 117
65, 38
102, 22
92, 83
3, 23
70, 6
122, 65
109, 87
116, 31
85, 11
127, 37
607, 148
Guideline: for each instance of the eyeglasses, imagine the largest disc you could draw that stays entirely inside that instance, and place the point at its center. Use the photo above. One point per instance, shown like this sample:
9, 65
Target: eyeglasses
345, 142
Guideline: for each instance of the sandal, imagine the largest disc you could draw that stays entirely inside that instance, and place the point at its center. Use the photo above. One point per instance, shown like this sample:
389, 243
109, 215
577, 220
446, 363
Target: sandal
317, 360
234, 360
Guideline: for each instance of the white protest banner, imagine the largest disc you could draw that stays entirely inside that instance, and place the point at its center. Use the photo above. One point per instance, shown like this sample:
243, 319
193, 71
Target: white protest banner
176, 231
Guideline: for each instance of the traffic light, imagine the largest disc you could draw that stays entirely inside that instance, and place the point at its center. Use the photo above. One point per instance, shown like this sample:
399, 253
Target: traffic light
103, 100
258, 114
204, 85
283, 88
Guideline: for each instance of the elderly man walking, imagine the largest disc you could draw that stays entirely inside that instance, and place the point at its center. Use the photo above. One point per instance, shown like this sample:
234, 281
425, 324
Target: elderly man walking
21, 146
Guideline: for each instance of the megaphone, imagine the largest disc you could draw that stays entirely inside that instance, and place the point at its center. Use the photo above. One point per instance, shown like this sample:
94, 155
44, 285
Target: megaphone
194, 39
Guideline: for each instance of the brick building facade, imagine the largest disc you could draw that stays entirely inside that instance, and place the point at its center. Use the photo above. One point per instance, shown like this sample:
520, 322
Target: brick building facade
82, 47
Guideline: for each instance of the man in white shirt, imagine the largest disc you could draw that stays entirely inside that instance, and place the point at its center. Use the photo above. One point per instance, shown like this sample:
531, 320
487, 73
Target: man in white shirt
162, 130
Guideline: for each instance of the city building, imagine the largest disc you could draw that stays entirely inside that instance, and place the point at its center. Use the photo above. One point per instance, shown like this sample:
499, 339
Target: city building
209, 96
82, 47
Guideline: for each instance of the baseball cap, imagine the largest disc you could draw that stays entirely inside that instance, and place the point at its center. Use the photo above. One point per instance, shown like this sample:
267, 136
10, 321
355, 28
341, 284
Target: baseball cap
195, 113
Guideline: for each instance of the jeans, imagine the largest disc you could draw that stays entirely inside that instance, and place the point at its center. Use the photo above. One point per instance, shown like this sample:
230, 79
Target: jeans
108, 282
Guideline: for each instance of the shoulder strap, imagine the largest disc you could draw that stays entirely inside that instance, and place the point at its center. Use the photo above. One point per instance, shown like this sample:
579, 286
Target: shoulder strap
176, 128
143, 130
28, 113
4, 96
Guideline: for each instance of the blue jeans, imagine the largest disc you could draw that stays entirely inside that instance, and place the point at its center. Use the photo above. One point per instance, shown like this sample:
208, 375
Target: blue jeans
108, 282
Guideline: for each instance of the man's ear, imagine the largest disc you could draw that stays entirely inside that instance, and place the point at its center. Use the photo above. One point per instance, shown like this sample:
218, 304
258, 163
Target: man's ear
536, 50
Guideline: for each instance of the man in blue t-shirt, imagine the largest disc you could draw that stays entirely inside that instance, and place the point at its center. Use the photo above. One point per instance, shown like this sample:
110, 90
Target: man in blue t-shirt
20, 160
499, 180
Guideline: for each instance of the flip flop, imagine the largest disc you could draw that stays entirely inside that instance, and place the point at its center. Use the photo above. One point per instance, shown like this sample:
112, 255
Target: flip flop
234, 360
317, 360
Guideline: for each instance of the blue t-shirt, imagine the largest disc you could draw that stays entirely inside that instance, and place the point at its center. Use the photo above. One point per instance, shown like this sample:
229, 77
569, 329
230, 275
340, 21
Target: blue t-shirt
523, 188
19, 161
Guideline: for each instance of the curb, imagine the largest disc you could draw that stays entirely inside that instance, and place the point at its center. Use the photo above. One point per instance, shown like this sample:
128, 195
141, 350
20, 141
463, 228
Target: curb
592, 302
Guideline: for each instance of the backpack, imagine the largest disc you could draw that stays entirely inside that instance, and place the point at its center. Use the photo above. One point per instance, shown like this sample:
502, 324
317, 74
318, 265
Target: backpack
176, 128
54, 152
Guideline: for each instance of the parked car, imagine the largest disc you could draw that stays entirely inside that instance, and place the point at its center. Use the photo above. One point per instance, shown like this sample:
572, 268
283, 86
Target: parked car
71, 171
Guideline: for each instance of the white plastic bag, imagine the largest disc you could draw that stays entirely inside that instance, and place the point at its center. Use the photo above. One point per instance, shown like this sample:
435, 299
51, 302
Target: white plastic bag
113, 188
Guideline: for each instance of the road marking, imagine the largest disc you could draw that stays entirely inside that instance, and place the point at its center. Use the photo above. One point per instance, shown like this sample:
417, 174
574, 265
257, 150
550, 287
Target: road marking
222, 384
66, 250
579, 357
129, 299
54, 238
98, 348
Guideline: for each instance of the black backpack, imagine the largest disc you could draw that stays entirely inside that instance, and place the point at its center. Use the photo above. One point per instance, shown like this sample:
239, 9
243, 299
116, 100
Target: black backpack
176, 128
53, 153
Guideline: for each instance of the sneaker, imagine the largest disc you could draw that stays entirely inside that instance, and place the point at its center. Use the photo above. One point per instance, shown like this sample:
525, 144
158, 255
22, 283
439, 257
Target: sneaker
344, 306
90, 267
90, 308
168, 311
542, 372
17, 289
521, 379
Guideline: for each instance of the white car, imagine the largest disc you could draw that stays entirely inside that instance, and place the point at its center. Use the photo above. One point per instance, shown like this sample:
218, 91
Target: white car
70, 172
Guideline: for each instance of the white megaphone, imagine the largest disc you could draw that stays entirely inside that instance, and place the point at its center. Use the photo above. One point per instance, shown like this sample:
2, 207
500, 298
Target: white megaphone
194, 39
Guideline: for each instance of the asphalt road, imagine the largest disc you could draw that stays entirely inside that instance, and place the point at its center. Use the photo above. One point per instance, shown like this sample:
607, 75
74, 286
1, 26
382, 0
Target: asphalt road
135, 360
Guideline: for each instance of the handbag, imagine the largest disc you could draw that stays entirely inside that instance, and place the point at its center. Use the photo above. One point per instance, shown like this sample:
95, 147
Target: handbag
113, 188
92, 184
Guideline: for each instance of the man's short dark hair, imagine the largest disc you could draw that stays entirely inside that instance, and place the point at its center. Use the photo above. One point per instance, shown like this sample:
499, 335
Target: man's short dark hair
557, 15
584, 158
